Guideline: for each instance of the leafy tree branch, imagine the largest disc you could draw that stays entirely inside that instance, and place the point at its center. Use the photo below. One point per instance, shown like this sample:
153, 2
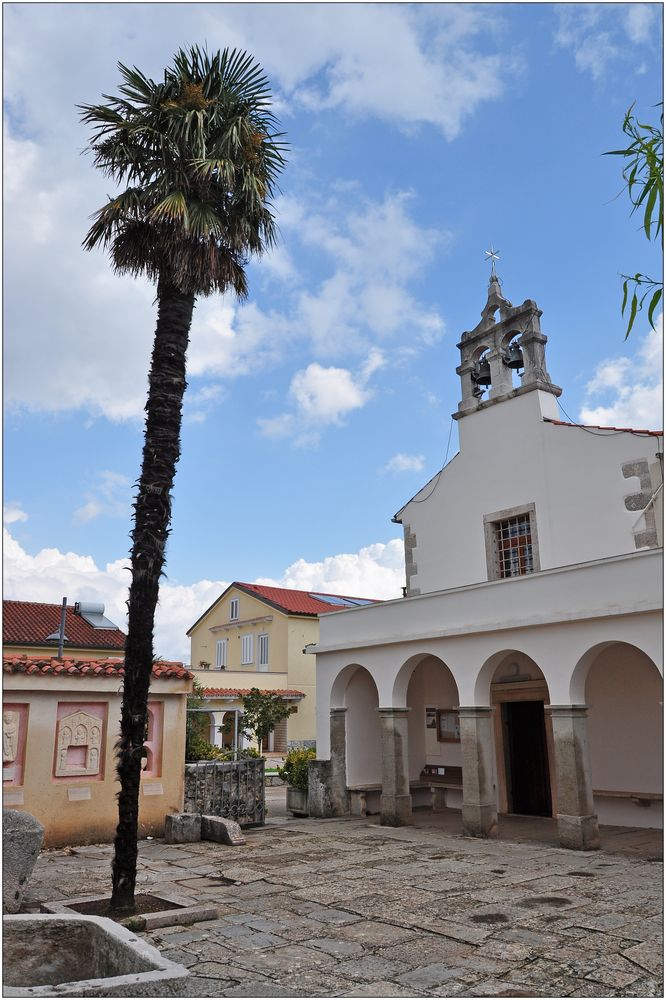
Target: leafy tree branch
643, 172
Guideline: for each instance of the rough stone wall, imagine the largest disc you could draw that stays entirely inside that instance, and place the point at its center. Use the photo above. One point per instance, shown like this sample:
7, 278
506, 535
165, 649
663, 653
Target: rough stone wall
320, 804
645, 532
302, 745
411, 569
234, 789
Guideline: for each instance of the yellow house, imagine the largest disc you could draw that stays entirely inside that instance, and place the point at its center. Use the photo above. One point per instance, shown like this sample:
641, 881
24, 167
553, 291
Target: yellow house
33, 628
61, 722
257, 636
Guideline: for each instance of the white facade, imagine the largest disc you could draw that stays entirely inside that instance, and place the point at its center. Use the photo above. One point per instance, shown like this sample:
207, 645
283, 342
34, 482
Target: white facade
535, 693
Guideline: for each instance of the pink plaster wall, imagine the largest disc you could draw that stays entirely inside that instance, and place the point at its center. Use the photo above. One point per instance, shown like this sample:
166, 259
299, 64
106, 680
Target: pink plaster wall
153, 742
18, 764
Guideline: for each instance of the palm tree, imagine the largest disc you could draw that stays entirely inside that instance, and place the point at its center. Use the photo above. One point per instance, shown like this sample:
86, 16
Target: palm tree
198, 156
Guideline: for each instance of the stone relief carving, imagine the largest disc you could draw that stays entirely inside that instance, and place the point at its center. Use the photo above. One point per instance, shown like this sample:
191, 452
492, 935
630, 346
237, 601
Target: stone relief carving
83, 731
10, 736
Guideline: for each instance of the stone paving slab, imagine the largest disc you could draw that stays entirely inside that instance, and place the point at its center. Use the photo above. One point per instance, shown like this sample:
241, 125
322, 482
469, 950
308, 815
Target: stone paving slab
346, 908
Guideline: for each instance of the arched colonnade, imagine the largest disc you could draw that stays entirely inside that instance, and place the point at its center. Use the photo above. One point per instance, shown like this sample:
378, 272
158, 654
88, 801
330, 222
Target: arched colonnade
543, 724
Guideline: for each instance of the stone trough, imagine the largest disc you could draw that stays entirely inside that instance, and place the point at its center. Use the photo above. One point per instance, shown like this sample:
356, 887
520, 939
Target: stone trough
56, 955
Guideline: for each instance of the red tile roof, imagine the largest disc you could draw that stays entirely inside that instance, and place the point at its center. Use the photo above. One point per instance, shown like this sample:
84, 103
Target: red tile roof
71, 667
27, 623
292, 602
298, 602
598, 427
241, 692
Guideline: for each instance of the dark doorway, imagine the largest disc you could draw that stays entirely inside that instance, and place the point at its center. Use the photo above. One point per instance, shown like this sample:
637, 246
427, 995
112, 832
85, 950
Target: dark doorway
528, 782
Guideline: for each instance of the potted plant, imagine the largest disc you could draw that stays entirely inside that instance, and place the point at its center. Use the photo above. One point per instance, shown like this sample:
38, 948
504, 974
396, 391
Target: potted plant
295, 772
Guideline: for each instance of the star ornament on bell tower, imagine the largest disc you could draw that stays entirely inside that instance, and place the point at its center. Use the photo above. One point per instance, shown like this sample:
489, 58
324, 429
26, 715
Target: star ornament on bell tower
492, 255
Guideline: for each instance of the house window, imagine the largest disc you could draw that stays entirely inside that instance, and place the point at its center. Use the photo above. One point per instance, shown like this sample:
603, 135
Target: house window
221, 654
234, 609
247, 654
511, 542
263, 652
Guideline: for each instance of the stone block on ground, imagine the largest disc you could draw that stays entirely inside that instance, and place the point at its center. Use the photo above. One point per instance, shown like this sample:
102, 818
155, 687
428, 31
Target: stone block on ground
22, 837
221, 830
72, 955
182, 828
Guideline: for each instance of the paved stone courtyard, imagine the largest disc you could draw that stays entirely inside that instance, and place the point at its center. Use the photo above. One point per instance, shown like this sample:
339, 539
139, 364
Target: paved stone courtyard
348, 908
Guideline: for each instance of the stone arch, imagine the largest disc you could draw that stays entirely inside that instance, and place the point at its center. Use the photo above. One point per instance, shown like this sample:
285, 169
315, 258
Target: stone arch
623, 690
503, 658
513, 684
403, 677
479, 352
582, 668
429, 683
360, 696
339, 686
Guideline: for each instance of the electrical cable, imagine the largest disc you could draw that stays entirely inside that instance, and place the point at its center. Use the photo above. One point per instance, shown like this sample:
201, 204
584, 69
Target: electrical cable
438, 474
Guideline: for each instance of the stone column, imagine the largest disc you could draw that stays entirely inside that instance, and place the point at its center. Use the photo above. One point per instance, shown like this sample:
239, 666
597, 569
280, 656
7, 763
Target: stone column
479, 811
469, 401
338, 772
577, 823
501, 375
396, 801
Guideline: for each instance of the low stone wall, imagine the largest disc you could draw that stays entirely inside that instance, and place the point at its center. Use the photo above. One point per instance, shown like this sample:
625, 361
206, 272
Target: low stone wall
234, 789
273, 780
302, 744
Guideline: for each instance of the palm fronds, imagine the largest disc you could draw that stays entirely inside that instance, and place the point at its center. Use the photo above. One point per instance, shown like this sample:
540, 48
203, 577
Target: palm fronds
200, 156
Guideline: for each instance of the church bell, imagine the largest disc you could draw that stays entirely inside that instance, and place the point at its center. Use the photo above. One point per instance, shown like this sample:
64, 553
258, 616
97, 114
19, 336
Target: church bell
514, 357
481, 373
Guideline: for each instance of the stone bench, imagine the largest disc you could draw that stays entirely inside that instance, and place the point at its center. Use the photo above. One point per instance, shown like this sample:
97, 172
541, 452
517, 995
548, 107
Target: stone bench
435, 785
644, 799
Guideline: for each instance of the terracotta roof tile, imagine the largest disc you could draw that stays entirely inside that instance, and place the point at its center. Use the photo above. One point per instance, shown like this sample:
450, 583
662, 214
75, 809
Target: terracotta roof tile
293, 602
241, 692
598, 427
28, 623
300, 602
83, 668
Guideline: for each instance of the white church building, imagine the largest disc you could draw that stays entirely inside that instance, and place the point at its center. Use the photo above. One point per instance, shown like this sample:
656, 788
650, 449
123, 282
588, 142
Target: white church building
522, 671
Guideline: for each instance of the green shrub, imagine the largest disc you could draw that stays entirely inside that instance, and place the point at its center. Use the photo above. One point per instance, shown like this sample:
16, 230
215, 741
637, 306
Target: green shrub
199, 748
247, 753
295, 769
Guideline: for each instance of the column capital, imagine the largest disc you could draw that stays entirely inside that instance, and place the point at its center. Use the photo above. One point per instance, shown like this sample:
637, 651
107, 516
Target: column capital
475, 711
338, 711
390, 712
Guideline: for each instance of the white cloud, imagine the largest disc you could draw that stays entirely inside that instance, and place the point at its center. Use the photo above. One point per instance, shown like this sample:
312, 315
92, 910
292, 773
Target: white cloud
404, 463
598, 34
406, 64
630, 388
639, 21
325, 395
375, 571
51, 575
322, 396
12, 513
277, 427
110, 495
409, 65
400, 63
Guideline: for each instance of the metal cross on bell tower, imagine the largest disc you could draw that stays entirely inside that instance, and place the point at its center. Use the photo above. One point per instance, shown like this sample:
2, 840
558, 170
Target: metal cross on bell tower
492, 255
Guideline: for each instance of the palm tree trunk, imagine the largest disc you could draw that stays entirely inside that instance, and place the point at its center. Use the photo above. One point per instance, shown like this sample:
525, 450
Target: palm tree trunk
152, 516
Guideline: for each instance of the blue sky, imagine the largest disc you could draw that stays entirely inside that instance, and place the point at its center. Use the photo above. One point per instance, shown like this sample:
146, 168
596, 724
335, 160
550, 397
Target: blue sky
419, 135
